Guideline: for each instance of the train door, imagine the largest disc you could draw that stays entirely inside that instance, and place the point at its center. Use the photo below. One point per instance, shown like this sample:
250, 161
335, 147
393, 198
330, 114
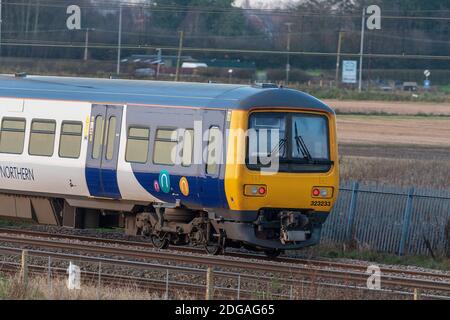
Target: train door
212, 185
103, 151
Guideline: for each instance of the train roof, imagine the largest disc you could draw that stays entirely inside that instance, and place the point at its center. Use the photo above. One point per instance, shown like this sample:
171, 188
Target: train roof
115, 91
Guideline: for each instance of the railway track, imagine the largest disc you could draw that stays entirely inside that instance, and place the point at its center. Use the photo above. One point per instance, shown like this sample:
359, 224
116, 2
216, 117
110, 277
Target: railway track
296, 261
288, 270
173, 287
165, 286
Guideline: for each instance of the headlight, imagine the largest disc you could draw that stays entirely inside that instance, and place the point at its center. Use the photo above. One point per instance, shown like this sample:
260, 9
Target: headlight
322, 192
252, 190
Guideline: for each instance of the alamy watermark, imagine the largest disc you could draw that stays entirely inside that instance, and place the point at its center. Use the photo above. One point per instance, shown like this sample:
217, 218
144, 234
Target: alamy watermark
214, 146
73, 22
374, 19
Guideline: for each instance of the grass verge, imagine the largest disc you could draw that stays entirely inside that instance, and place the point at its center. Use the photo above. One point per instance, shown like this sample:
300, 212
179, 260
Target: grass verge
38, 288
342, 252
432, 173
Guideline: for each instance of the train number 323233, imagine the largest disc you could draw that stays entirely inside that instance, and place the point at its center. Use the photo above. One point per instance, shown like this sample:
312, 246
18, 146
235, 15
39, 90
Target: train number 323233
320, 203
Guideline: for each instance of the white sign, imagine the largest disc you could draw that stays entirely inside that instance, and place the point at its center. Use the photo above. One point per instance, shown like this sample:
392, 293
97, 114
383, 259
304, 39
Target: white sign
349, 68
374, 280
427, 73
74, 280
74, 20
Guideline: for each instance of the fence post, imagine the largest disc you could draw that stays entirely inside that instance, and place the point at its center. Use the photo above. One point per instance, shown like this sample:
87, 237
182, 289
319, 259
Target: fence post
352, 211
406, 222
49, 276
239, 287
99, 279
416, 294
209, 284
24, 269
167, 285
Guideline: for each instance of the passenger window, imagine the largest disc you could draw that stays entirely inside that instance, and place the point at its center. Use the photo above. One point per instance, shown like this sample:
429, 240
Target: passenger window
137, 145
165, 147
12, 135
111, 129
42, 138
188, 147
70, 141
98, 137
214, 150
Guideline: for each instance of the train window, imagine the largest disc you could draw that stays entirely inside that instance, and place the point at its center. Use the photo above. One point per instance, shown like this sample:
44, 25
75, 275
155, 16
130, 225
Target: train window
98, 137
70, 141
188, 147
214, 150
42, 138
298, 140
165, 146
313, 130
111, 136
137, 145
267, 135
12, 135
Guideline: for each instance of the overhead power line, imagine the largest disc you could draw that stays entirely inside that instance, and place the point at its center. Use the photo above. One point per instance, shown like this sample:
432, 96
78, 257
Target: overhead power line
239, 37
168, 36
223, 50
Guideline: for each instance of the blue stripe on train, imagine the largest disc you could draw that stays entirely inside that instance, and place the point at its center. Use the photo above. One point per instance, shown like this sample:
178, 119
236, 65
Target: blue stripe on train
207, 192
102, 183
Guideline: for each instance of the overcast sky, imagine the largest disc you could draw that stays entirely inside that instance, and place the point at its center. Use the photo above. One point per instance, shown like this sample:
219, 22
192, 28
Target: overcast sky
267, 3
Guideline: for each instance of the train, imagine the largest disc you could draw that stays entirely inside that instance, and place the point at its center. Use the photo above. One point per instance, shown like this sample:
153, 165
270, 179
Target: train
202, 164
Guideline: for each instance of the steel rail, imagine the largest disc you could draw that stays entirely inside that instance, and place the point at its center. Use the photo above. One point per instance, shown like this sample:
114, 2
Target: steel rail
291, 260
285, 269
254, 278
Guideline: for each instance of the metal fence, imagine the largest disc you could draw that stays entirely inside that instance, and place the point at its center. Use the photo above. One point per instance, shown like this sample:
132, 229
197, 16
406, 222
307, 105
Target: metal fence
391, 219
50, 273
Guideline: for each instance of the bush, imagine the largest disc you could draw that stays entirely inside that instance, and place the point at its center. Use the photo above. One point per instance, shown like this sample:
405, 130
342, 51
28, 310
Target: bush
295, 75
223, 73
438, 77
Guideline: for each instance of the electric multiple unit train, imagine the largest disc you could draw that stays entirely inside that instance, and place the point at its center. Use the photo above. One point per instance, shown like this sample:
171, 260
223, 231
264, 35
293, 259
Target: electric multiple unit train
180, 163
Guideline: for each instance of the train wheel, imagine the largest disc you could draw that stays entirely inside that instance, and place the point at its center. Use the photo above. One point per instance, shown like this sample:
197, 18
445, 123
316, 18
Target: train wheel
160, 242
215, 248
272, 254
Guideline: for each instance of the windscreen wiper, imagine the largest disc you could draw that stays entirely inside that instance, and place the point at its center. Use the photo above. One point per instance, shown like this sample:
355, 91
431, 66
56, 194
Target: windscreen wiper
278, 147
301, 145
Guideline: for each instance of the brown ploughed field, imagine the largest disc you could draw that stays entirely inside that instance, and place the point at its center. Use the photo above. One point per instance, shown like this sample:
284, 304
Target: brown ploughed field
391, 107
415, 130
403, 150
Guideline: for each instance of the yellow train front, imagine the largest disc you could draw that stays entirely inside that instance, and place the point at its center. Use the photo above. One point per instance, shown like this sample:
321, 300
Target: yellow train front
282, 173
269, 179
